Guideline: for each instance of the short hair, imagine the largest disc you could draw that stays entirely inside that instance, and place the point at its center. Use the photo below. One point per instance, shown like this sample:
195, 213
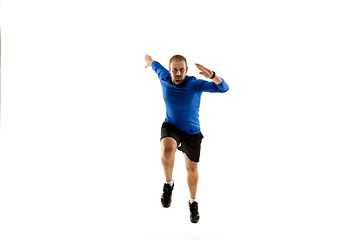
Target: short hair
178, 58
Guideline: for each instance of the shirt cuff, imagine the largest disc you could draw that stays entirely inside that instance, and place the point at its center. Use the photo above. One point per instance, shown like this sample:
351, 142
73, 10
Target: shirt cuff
153, 64
222, 86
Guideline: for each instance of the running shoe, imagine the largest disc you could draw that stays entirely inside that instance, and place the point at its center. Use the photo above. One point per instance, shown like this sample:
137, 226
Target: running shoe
166, 196
194, 214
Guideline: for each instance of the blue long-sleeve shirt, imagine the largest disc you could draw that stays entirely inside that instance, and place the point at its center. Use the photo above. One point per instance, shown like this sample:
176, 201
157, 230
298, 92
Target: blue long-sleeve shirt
183, 101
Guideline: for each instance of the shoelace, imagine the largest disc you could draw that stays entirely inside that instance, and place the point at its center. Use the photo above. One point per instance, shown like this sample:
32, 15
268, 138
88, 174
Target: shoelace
194, 208
167, 190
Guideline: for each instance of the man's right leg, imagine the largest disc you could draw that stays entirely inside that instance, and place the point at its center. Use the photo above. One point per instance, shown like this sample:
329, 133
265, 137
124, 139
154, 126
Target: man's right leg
168, 149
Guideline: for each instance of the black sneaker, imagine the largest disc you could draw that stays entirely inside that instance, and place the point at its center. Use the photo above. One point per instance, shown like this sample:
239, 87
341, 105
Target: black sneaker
166, 196
194, 214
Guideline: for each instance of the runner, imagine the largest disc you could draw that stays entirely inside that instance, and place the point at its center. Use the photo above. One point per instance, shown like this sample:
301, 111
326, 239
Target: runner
181, 128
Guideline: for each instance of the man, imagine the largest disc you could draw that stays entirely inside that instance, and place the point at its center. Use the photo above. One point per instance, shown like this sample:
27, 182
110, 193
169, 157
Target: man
181, 128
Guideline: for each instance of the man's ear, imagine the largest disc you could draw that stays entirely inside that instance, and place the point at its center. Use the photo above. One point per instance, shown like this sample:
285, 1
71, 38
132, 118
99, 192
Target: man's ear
187, 69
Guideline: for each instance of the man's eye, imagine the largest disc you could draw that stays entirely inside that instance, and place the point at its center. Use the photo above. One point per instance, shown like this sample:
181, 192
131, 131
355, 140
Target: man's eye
181, 70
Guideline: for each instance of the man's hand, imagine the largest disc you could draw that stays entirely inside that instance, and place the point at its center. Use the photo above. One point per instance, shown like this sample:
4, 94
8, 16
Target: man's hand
208, 74
148, 61
204, 71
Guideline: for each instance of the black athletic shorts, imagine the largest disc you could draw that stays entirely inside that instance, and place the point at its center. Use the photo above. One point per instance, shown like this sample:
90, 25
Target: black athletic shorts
187, 143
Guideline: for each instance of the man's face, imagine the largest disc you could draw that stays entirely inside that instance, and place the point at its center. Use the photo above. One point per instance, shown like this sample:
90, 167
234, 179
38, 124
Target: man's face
178, 72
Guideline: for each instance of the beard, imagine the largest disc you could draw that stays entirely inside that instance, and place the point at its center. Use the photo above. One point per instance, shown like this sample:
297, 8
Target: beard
178, 80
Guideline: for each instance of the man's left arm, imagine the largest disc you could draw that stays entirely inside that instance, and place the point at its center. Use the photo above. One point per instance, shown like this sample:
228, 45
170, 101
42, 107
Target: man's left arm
220, 83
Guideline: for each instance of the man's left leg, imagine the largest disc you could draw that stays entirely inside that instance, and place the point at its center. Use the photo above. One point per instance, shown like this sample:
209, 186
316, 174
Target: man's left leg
192, 179
192, 176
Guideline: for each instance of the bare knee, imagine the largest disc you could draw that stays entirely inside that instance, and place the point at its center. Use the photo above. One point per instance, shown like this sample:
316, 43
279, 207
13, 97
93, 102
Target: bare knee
192, 169
168, 148
168, 152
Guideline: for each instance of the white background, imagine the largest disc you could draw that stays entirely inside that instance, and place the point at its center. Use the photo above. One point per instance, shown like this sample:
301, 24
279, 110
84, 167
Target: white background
81, 118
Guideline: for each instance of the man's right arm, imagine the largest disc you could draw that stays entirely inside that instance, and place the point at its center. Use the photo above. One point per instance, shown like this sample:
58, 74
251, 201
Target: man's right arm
162, 72
148, 61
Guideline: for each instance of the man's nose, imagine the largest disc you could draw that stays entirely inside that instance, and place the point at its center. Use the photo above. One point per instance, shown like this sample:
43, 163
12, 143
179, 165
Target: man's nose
178, 73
